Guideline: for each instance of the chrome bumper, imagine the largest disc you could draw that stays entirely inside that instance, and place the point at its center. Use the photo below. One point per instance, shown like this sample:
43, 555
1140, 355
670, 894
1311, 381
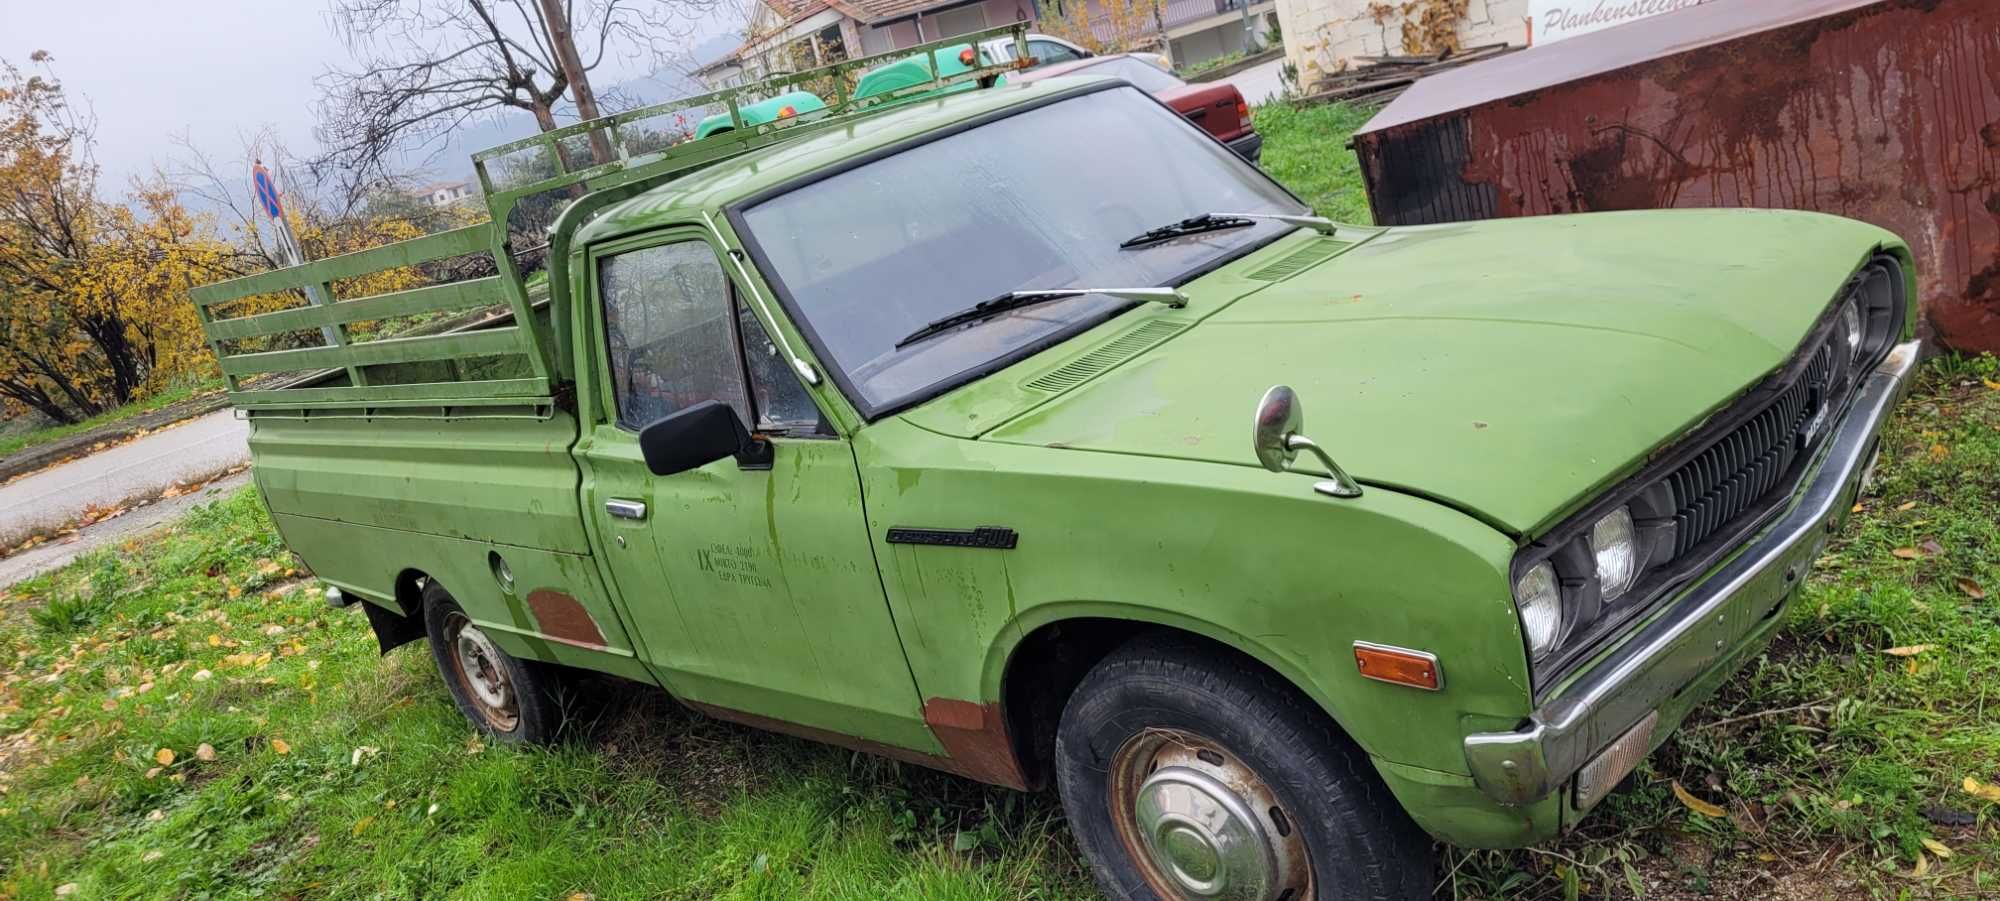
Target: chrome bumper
1708, 622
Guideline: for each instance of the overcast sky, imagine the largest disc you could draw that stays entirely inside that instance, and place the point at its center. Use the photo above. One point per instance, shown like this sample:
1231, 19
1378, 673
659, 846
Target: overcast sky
211, 69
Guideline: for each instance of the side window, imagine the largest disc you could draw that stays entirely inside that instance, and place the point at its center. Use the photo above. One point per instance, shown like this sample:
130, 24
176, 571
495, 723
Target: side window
1051, 52
782, 403
668, 328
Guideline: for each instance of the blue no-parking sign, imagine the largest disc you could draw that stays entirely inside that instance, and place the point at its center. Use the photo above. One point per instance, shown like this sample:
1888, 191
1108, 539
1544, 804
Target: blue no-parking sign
267, 191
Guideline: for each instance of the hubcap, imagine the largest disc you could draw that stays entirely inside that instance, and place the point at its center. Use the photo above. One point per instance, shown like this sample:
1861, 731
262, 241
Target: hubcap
482, 672
1202, 825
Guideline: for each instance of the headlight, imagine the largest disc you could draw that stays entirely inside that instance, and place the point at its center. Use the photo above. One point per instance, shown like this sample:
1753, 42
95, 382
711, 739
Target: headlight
1539, 596
1617, 558
1850, 326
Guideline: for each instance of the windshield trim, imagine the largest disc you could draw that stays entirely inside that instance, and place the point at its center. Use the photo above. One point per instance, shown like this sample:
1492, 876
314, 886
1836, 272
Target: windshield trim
871, 411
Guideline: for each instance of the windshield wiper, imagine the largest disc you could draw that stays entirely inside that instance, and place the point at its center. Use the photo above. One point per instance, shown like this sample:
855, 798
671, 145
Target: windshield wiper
1208, 222
1014, 300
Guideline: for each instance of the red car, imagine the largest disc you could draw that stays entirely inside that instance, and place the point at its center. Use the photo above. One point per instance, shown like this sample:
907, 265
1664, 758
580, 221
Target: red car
1215, 106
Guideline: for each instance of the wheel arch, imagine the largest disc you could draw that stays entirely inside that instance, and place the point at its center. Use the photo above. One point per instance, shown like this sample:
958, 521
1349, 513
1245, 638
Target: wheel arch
1043, 656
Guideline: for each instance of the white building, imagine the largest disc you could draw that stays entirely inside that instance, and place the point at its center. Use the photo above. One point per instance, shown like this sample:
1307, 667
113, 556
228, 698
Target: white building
442, 194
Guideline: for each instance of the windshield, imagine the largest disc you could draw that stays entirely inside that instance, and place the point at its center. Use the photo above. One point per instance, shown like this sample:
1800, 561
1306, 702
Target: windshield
1040, 199
1143, 75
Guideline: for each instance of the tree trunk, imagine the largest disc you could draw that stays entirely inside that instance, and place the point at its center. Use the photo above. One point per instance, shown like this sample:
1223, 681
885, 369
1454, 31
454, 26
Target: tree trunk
40, 400
579, 80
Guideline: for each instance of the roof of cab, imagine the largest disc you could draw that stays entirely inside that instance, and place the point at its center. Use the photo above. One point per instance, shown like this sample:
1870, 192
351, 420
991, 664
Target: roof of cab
720, 185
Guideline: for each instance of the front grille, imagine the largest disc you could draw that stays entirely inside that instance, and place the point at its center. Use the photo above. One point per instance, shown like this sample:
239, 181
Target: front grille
1743, 466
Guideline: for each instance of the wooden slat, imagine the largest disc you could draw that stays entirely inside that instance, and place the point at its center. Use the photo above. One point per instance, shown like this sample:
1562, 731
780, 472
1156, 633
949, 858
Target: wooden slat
455, 296
490, 342
495, 390
457, 242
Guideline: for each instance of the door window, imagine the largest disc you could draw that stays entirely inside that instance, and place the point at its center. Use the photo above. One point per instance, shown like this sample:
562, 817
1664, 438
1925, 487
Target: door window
1051, 52
673, 327
668, 327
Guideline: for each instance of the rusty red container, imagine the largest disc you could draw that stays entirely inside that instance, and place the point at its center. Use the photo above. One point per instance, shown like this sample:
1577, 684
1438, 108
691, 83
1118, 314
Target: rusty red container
1887, 111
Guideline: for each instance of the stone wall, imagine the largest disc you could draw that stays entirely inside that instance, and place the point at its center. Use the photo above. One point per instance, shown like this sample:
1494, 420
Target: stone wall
1323, 35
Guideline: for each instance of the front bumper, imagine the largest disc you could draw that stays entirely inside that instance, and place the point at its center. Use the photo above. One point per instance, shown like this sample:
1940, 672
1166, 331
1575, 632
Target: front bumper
1249, 147
1704, 626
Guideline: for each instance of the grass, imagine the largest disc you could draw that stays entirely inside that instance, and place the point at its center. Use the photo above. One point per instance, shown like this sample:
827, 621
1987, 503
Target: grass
203, 638
167, 397
331, 771
1305, 148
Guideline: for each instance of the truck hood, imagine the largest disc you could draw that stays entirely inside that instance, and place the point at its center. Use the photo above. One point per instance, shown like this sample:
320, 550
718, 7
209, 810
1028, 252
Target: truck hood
1512, 369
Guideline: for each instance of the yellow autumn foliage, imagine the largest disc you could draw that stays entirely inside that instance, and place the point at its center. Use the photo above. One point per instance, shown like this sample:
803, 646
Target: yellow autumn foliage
94, 311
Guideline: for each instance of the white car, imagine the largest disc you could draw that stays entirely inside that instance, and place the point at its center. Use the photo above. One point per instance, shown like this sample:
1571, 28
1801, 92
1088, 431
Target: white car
1047, 48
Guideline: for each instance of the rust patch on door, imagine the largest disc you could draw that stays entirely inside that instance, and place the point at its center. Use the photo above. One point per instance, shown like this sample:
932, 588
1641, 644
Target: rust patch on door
563, 618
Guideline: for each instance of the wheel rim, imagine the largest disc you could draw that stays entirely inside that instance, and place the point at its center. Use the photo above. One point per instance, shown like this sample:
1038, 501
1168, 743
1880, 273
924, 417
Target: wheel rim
1201, 824
482, 671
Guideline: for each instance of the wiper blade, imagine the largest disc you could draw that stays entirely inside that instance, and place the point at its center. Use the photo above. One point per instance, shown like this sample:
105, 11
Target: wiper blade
1208, 222
1193, 225
1014, 300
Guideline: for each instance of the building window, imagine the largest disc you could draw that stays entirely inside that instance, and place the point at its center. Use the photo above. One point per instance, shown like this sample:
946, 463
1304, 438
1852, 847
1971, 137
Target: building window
832, 47
954, 22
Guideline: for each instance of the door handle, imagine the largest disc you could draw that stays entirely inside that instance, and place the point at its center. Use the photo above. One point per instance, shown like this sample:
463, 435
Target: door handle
624, 509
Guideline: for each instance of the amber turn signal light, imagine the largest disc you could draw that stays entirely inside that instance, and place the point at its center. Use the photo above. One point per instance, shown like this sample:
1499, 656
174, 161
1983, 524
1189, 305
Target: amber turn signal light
1398, 666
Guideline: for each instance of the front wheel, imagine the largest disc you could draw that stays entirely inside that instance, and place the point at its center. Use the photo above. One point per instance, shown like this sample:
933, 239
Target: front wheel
509, 699
1187, 776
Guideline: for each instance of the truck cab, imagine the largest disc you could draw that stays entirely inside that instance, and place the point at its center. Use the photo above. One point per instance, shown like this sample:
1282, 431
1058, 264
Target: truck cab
936, 431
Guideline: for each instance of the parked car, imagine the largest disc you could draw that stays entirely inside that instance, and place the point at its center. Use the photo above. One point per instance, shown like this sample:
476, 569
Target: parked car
1046, 49
784, 106
821, 438
956, 59
1216, 106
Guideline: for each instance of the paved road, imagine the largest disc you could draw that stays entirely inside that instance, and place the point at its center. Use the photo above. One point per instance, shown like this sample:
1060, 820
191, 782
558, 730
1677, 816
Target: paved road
157, 515
191, 452
1259, 83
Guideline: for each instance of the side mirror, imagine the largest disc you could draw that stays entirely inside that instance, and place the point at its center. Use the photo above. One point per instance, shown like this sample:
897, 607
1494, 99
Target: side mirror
697, 436
1277, 441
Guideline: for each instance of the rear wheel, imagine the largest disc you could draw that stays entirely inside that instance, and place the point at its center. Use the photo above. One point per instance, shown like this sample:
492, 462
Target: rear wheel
510, 699
1187, 776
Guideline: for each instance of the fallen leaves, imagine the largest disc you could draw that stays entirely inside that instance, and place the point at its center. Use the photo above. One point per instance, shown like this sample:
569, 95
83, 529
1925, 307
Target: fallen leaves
1972, 589
1907, 553
1908, 650
280, 746
164, 756
1981, 790
205, 753
1695, 804
1937, 847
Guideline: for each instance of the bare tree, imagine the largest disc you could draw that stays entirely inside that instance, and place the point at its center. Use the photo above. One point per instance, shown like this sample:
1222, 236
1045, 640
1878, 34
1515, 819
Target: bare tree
428, 67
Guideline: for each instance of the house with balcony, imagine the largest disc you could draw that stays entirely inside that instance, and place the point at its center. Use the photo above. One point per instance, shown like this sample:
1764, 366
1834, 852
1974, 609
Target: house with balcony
793, 35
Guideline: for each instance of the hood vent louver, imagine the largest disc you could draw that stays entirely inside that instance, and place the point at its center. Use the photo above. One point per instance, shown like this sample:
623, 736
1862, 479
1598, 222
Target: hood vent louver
1305, 257
1114, 352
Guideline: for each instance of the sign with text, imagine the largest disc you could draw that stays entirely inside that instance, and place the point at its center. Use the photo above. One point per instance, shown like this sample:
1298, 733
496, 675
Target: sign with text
1554, 20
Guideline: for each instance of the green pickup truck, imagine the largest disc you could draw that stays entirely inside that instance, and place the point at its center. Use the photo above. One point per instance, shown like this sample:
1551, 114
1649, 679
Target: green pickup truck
949, 433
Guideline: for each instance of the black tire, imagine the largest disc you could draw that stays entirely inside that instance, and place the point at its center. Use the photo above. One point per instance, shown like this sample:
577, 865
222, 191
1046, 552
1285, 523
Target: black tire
538, 691
1167, 704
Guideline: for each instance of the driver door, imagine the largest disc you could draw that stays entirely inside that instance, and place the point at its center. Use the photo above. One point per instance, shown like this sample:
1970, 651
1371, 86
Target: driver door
749, 588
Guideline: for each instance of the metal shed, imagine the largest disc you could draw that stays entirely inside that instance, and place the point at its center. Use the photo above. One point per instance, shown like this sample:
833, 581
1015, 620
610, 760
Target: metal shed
1886, 111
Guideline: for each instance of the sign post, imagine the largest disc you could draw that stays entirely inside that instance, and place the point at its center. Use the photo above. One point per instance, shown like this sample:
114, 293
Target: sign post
290, 253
